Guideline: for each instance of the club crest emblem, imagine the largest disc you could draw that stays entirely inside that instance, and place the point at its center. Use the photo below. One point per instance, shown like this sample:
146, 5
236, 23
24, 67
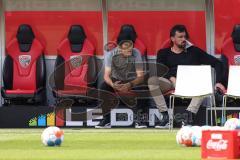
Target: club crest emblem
76, 61
24, 60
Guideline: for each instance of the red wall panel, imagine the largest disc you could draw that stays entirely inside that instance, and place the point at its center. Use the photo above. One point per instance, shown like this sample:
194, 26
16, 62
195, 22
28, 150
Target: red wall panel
226, 16
52, 26
153, 26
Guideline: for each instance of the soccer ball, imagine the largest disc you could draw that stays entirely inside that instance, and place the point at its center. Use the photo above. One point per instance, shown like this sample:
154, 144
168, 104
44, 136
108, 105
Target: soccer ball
189, 136
52, 136
196, 135
232, 124
184, 136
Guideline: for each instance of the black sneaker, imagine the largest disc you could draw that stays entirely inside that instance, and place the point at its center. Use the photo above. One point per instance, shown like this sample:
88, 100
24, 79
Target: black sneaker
164, 122
140, 125
104, 123
190, 119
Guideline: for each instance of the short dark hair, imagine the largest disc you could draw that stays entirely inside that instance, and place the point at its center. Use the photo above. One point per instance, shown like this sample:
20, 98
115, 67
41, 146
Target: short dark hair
180, 28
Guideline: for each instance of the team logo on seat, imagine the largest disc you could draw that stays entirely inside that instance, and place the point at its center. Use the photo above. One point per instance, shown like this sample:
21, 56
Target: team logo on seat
76, 61
24, 60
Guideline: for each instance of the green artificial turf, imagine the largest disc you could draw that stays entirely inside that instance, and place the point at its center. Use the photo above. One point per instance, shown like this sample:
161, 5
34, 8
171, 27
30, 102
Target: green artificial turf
95, 144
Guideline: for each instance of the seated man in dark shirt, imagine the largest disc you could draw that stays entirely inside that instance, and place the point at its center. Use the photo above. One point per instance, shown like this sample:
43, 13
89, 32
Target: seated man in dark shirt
181, 52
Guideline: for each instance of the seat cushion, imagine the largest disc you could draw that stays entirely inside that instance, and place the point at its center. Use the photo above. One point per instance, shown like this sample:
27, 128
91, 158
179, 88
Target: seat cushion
20, 91
74, 92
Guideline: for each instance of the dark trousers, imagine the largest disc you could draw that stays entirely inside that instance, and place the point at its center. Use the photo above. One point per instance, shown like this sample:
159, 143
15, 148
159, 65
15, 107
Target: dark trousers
133, 100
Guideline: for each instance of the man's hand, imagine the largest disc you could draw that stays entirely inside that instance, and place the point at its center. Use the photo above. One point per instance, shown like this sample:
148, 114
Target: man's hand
220, 86
116, 85
173, 80
125, 87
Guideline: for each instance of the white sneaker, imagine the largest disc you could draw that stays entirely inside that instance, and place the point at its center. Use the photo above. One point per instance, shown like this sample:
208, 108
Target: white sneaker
167, 125
140, 125
104, 124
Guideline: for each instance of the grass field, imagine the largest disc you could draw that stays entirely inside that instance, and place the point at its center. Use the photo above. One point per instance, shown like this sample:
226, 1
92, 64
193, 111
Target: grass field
92, 144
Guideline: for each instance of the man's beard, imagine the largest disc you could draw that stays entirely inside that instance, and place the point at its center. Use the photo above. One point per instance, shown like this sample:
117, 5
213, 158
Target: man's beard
182, 46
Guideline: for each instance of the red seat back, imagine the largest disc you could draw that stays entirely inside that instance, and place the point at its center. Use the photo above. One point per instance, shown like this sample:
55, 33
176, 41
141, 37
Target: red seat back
24, 63
229, 51
75, 74
231, 46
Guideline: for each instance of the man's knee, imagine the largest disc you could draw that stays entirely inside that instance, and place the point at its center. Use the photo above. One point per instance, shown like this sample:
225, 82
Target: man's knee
153, 81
